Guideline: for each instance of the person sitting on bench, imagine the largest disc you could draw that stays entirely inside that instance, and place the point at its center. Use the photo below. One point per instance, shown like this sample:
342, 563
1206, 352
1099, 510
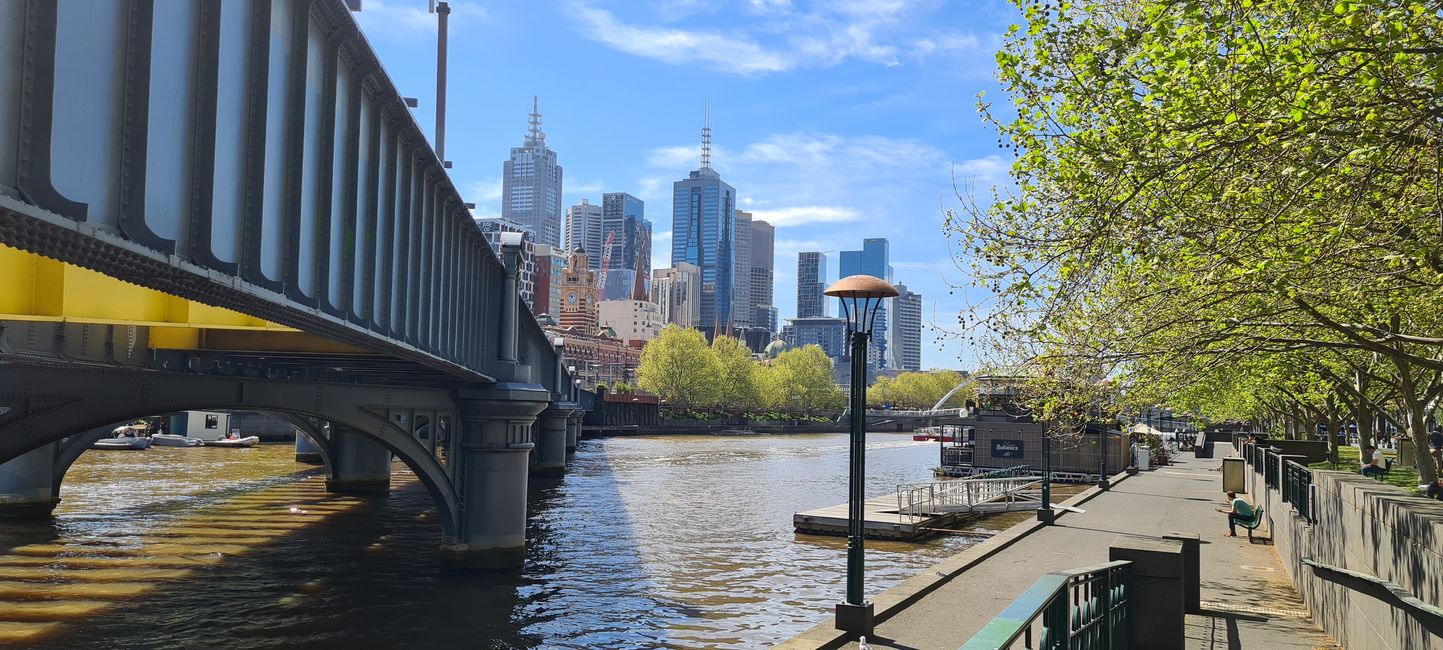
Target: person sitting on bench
1372, 461
1242, 513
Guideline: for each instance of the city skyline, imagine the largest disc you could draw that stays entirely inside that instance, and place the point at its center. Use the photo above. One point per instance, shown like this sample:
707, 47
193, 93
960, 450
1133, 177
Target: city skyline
828, 150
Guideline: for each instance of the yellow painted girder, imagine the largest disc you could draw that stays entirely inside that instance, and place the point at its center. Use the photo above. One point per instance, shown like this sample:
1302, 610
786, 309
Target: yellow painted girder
36, 288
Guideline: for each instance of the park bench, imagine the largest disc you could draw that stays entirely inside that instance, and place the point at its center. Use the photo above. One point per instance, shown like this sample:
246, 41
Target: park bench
1253, 523
1387, 467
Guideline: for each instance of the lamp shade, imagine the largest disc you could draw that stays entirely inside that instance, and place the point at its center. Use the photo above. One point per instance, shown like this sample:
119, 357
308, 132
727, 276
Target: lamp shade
861, 286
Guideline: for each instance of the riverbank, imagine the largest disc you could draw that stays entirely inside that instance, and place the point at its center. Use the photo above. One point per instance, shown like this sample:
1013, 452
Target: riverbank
712, 427
1247, 600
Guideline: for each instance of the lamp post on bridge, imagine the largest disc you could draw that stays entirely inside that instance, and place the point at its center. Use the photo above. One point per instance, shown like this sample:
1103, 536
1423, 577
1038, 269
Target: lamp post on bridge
861, 296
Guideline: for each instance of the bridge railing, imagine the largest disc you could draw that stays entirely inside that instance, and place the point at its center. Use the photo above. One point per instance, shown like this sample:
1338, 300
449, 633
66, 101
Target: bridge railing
961, 495
1079, 609
938, 413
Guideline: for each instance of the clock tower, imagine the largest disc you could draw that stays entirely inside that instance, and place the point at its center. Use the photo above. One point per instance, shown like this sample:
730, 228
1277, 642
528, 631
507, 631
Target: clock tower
578, 294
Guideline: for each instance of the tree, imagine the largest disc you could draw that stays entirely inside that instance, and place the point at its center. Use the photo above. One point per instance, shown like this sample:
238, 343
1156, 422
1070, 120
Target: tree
681, 368
1229, 187
802, 382
737, 374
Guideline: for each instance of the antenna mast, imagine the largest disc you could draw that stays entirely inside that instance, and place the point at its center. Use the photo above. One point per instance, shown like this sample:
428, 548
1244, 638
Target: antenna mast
706, 136
534, 135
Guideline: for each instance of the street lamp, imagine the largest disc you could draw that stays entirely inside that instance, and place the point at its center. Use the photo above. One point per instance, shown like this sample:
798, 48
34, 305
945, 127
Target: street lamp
561, 388
861, 297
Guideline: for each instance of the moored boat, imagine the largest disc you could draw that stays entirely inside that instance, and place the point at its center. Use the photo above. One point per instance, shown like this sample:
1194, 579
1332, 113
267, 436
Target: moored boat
121, 443
248, 441
172, 440
945, 433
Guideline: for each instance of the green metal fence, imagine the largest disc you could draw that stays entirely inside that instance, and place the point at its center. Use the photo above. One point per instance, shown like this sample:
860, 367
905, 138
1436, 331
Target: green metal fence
1298, 488
1079, 609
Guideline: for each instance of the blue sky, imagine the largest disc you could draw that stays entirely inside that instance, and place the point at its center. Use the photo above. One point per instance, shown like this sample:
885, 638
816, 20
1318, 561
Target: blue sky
834, 120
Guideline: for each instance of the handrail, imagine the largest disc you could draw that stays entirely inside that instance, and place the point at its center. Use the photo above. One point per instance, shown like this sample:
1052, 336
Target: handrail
926, 499
1400, 596
1066, 617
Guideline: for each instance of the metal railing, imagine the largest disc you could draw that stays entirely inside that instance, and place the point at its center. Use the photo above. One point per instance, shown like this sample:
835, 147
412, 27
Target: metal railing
893, 413
1078, 609
953, 456
1298, 488
962, 495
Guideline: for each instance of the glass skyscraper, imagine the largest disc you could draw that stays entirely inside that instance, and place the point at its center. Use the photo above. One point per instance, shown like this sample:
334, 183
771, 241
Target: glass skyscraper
875, 260
811, 282
531, 186
703, 229
624, 218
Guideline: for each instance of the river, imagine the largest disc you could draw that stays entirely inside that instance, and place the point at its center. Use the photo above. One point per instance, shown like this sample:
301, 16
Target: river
646, 542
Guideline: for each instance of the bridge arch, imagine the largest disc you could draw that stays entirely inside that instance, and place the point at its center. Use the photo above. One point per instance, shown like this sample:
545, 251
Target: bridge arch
60, 402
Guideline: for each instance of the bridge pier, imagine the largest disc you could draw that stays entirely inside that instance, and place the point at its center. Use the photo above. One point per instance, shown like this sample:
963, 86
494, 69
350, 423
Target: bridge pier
359, 464
493, 467
27, 483
573, 429
550, 437
307, 451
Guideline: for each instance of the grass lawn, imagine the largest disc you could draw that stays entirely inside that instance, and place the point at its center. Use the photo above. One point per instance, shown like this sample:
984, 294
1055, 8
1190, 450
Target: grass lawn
1403, 477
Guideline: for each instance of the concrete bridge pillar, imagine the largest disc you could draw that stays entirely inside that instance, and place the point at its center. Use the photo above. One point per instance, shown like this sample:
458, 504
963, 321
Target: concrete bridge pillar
573, 430
550, 438
359, 464
493, 468
307, 451
27, 483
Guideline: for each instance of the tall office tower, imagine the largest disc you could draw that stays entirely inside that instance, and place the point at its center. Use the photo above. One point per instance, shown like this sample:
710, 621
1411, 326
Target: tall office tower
907, 330
531, 185
677, 291
742, 306
583, 229
624, 219
764, 313
811, 282
875, 260
703, 219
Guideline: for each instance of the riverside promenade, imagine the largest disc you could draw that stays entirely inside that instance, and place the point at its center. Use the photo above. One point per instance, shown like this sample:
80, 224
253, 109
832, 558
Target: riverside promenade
1247, 600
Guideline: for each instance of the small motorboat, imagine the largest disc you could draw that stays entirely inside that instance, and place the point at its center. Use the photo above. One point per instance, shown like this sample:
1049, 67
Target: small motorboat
172, 440
248, 441
121, 443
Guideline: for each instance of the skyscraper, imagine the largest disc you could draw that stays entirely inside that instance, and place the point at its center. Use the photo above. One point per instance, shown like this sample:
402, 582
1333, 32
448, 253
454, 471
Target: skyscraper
907, 330
703, 219
764, 312
742, 306
583, 229
677, 291
875, 260
624, 219
811, 282
531, 185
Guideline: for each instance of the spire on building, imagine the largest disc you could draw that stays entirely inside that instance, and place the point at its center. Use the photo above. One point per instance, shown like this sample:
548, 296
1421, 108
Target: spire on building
706, 136
534, 136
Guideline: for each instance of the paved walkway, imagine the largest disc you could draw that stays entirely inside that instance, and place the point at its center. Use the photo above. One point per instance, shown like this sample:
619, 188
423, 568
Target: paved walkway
1248, 600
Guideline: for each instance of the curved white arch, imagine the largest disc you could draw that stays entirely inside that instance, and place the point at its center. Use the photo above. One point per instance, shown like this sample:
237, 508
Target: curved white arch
971, 379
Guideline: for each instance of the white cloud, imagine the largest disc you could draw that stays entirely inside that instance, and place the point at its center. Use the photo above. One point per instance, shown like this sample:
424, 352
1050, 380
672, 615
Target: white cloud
484, 190
585, 187
660, 249
406, 20
780, 36
989, 170
796, 216
678, 156
730, 52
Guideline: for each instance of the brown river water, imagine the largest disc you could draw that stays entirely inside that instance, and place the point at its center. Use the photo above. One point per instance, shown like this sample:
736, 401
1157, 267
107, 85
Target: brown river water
646, 542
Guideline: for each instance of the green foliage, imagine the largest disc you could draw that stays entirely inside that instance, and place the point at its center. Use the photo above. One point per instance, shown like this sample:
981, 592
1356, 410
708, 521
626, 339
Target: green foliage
801, 381
919, 390
681, 368
1227, 207
692, 377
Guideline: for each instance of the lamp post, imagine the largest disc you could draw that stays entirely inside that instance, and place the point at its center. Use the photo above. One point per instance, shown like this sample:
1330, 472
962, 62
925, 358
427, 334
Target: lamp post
860, 296
1044, 510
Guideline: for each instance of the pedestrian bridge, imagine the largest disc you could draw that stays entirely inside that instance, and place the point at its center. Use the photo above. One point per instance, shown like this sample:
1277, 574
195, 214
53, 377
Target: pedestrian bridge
227, 204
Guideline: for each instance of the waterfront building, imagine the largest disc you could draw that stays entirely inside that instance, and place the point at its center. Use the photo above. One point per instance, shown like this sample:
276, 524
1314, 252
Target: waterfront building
907, 330
531, 185
764, 313
633, 321
875, 260
624, 220
597, 356
491, 228
550, 263
703, 220
811, 282
578, 294
677, 293
583, 230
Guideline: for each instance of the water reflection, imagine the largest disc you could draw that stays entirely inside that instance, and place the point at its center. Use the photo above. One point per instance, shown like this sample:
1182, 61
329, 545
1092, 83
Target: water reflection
678, 542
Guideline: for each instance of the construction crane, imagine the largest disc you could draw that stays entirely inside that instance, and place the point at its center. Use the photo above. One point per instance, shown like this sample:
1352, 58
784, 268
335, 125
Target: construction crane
605, 264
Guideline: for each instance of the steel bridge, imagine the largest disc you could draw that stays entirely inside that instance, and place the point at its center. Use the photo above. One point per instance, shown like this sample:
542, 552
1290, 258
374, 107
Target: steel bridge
227, 204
